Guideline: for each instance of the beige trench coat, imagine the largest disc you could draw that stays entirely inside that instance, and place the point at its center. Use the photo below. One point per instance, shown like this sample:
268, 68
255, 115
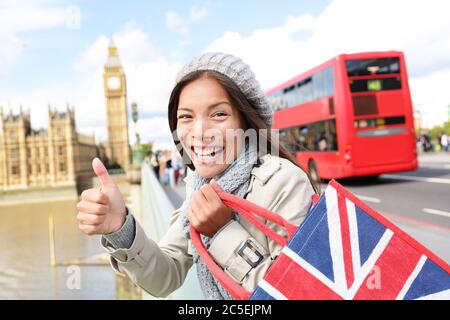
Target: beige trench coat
160, 269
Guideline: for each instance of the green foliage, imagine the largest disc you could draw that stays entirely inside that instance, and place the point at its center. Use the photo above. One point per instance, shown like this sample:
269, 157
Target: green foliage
147, 148
436, 131
446, 127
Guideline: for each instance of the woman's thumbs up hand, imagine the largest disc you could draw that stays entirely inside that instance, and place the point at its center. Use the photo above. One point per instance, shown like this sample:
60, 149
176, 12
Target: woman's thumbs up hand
101, 211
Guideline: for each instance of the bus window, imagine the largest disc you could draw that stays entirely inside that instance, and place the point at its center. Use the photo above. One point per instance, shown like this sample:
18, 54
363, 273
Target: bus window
290, 139
375, 84
328, 81
379, 122
318, 136
367, 67
318, 85
276, 101
323, 136
305, 91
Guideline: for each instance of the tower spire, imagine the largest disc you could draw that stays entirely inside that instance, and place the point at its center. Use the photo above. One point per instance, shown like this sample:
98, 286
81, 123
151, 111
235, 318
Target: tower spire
118, 150
112, 48
113, 60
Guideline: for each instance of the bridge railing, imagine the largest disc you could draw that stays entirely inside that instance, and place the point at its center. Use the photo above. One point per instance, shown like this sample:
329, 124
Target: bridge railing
156, 210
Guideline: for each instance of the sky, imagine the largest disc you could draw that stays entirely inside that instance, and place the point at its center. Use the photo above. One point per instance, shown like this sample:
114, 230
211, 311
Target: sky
53, 51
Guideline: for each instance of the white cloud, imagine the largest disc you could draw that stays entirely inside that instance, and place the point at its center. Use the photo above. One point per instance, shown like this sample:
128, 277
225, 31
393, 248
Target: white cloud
135, 46
175, 22
433, 107
150, 77
420, 29
198, 12
155, 129
12, 47
93, 56
20, 16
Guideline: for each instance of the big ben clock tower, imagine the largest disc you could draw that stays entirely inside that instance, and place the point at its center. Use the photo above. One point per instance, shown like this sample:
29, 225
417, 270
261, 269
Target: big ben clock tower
118, 148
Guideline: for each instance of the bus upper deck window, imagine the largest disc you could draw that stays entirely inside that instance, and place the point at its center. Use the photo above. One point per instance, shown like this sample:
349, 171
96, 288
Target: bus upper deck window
367, 67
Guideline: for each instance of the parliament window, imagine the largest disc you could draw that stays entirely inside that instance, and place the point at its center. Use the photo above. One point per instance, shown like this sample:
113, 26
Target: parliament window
14, 154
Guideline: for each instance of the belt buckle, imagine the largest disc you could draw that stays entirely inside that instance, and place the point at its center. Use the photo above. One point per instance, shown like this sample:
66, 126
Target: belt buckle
250, 245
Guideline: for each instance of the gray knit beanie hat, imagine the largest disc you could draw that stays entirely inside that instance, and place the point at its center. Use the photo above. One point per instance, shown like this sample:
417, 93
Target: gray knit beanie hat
239, 72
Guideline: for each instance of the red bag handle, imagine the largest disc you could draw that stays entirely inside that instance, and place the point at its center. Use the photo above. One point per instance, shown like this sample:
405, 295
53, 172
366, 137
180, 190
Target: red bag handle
248, 210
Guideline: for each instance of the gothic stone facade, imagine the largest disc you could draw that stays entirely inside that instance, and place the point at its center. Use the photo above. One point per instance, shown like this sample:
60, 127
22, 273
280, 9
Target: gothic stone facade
43, 158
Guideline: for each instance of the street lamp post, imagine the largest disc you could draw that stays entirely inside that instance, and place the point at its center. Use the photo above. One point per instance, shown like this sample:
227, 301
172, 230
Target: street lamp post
134, 174
137, 152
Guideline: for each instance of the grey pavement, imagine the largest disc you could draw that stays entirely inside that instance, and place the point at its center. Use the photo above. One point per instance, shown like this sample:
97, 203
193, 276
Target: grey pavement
434, 157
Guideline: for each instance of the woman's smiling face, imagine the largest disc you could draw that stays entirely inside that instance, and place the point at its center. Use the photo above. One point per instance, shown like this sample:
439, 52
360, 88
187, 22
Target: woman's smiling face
205, 116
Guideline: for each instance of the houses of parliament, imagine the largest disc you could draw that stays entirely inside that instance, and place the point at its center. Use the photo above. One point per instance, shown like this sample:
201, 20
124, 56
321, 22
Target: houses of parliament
59, 155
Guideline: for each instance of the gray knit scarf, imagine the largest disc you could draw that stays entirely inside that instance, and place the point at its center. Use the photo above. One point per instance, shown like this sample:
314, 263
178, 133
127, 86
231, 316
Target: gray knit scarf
234, 179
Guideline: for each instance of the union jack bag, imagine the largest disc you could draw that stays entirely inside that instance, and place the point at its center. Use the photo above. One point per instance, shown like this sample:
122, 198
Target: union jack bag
342, 250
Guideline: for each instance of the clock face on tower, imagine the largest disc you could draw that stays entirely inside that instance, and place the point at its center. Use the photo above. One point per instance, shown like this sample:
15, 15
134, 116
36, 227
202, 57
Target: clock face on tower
113, 83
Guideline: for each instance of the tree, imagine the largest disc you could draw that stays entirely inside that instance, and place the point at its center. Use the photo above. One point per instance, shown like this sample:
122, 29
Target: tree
446, 127
435, 132
147, 149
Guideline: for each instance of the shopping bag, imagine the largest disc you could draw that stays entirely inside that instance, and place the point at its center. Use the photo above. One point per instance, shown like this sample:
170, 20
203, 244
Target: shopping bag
342, 250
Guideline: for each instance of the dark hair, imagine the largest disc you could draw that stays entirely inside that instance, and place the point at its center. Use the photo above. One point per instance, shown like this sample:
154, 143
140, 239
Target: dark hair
245, 108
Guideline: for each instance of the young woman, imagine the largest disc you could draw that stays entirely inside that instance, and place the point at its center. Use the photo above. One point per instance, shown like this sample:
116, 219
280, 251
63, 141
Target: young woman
215, 94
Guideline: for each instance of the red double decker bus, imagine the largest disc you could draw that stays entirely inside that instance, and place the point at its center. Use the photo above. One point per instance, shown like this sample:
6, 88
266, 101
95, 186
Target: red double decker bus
349, 117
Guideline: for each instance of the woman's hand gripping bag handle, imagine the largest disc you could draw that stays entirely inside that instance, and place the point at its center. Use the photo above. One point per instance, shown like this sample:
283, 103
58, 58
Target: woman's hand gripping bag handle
249, 211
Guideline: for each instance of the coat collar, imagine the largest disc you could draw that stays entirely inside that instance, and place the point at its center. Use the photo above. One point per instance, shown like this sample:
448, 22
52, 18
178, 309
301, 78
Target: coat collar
266, 170
270, 165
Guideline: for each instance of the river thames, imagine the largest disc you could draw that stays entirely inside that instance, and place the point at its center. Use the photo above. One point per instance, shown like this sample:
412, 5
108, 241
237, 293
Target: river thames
25, 271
